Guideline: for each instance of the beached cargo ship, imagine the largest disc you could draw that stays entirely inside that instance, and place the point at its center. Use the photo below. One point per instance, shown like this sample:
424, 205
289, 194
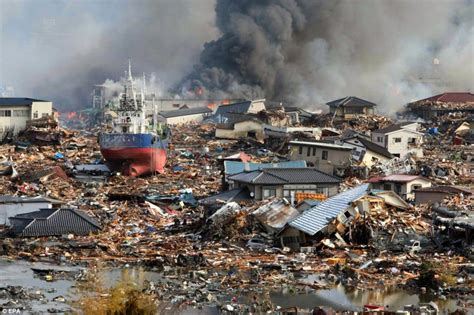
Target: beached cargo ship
137, 145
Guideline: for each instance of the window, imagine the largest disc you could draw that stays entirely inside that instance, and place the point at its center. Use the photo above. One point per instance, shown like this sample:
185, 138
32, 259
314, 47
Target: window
21, 113
35, 115
387, 187
379, 139
301, 150
415, 187
269, 192
5, 113
347, 214
325, 155
411, 140
44, 115
354, 110
287, 240
397, 140
314, 151
309, 151
323, 190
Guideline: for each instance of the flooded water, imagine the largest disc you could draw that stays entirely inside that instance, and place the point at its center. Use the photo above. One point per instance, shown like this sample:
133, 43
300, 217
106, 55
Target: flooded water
19, 273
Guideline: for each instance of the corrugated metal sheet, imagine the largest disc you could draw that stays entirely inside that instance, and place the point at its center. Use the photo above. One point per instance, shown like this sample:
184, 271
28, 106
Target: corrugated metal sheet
315, 219
275, 214
235, 167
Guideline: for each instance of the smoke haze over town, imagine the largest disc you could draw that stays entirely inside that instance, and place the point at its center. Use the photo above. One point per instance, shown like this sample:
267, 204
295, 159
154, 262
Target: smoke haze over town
305, 52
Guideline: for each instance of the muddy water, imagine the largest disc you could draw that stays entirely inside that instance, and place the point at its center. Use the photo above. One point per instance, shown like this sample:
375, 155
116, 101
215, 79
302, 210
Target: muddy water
19, 273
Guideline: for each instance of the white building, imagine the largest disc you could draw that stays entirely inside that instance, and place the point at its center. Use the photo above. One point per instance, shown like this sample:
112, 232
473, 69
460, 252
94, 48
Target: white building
16, 111
400, 139
11, 206
183, 116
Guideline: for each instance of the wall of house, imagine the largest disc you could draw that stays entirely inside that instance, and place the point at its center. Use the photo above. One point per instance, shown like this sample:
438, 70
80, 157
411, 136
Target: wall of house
292, 238
257, 106
370, 158
182, 119
429, 197
363, 155
14, 117
405, 190
12, 209
241, 130
40, 109
403, 147
336, 158
408, 188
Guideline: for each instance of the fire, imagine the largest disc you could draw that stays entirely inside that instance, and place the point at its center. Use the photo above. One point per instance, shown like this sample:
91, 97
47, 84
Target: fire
71, 115
225, 102
199, 90
211, 105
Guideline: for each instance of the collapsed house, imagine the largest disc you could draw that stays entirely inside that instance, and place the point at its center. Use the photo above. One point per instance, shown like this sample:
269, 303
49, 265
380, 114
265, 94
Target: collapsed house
185, 115
350, 107
442, 104
365, 152
436, 194
317, 219
404, 185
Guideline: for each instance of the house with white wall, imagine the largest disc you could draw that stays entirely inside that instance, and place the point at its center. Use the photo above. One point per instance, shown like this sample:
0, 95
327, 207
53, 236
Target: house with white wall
11, 206
400, 139
366, 152
404, 185
16, 111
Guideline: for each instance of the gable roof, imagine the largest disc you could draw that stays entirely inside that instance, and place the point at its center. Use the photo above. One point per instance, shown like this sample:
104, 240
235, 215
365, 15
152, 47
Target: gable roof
371, 146
281, 176
53, 222
236, 194
235, 167
240, 107
18, 101
185, 112
350, 101
395, 127
450, 97
315, 219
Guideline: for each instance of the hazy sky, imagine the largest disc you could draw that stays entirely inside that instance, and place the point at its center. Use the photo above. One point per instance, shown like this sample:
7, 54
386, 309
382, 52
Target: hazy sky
305, 51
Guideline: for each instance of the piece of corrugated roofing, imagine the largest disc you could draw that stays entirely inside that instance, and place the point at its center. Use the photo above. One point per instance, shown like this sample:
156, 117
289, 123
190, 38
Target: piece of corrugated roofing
315, 219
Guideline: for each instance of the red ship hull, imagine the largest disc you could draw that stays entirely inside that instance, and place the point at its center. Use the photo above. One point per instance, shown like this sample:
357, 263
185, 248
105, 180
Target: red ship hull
135, 161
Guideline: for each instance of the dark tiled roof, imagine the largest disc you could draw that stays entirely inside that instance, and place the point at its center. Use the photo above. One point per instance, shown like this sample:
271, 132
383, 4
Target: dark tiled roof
235, 195
276, 176
185, 112
374, 147
241, 107
54, 222
18, 101
351, 101
450, 97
